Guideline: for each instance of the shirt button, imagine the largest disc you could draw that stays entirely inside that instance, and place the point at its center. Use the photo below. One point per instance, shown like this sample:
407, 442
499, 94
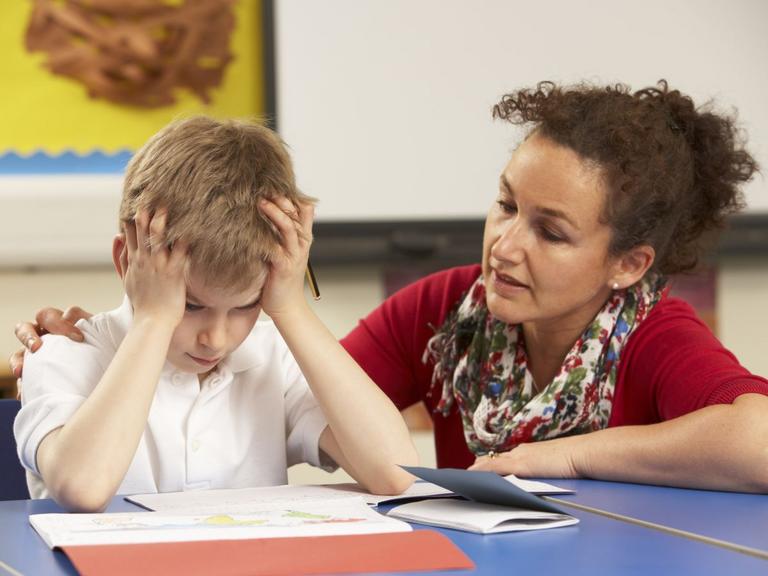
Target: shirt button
195, 445
177, 379
215, 382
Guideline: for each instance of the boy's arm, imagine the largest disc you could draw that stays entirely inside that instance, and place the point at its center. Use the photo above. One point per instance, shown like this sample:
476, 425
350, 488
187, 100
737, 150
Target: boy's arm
83, 462
366, 434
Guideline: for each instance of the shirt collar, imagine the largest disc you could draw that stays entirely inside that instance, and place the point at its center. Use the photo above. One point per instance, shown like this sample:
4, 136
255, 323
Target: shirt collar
122, 318
249, 354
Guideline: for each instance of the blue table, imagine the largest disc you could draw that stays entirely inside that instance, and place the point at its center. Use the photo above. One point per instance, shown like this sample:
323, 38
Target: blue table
739, 519
598, 545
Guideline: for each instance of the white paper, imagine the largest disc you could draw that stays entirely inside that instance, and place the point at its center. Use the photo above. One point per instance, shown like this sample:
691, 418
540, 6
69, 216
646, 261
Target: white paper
536, 487
235, 498
478, 517
223, 500
335, 516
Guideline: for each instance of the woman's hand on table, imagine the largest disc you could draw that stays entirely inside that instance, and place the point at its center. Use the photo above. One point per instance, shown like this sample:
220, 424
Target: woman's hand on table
546, 459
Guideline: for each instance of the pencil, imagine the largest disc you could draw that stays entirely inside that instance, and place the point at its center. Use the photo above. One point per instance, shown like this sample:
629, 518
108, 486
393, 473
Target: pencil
313, 287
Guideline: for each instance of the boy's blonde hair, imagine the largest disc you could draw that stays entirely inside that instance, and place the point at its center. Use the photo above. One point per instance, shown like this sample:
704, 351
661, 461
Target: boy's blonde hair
210, 175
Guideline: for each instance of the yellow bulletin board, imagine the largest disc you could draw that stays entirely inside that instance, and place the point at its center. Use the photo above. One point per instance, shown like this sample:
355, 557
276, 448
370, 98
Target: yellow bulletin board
53, 114
64, 144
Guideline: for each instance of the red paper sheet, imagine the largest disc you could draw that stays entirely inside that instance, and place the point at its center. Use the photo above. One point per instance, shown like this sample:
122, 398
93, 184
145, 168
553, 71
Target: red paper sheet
398, 552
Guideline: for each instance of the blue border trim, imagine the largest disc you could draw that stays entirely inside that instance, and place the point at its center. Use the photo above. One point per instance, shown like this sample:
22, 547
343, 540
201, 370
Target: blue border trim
41, 163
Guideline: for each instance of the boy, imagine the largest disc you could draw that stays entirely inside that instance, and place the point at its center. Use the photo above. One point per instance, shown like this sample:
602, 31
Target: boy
179, 388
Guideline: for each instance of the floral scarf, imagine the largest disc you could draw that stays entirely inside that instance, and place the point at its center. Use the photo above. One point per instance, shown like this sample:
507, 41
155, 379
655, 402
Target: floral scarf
481, 363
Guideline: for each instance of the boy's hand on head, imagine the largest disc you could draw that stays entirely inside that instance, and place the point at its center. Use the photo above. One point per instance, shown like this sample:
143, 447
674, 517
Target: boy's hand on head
153, 272
285, 283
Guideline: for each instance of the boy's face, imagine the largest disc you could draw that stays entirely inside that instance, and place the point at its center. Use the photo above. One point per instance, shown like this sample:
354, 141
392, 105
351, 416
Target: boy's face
215, 323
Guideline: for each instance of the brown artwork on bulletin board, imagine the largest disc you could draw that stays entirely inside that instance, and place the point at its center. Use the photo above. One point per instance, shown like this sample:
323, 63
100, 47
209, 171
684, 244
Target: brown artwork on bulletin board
135, 52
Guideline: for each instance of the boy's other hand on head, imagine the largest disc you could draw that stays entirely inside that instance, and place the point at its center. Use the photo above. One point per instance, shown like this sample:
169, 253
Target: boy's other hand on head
285, 284
153, 272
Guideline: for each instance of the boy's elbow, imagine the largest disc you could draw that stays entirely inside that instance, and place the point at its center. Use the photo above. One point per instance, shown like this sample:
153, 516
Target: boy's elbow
398, 485
393, 485
81, 495
394, 480
75, 487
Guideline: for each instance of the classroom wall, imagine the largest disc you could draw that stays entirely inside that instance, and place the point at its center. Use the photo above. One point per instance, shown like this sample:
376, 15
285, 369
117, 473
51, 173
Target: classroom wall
365, 86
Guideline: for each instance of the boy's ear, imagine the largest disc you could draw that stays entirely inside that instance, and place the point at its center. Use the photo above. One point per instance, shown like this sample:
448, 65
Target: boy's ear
118, 258
632, 266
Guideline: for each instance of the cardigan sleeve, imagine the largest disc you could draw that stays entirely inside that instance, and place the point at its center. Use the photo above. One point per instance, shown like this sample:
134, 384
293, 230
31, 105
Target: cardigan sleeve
389, 343
675, 365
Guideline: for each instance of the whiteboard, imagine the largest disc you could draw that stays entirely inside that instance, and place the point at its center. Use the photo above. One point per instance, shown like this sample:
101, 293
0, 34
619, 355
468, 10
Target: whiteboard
386, 104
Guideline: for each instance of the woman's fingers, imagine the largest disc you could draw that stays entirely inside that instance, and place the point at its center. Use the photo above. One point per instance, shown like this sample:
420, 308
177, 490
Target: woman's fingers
16, 361
48, 320
55, 321
27, 334
52, 320
74, 314
481, 463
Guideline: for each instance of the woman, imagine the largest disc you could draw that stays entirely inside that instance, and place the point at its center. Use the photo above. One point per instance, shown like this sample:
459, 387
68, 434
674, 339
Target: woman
562, 355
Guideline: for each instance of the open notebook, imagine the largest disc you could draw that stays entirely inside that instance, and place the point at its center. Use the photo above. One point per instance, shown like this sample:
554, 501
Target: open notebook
489, 504
282, 538
278, 519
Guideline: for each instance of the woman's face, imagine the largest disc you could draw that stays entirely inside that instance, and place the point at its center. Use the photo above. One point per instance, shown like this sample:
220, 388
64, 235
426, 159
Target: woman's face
545, 252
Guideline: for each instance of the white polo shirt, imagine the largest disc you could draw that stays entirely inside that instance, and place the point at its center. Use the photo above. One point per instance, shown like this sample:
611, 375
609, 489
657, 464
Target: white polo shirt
243, 426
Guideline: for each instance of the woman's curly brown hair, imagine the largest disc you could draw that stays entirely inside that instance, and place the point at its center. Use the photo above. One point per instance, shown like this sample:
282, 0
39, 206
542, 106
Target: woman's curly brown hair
674, 171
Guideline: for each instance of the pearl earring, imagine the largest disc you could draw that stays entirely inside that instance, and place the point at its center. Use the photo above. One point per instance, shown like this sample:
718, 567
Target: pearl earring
615, 286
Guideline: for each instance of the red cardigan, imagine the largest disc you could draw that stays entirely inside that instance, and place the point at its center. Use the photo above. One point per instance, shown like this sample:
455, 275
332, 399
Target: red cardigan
672, 363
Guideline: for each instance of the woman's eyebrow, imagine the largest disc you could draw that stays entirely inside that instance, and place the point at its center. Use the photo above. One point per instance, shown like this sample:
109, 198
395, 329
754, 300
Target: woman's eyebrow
554, 213
551, 212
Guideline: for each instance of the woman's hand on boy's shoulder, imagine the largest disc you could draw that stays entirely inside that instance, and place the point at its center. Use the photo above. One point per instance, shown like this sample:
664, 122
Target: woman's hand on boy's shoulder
47, 321
285, 283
